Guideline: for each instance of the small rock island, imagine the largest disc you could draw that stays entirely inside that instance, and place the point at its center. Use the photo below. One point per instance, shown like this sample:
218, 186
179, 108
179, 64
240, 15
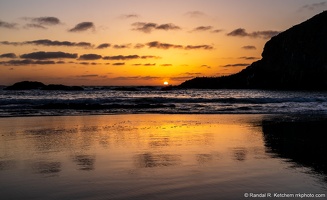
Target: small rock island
34, 85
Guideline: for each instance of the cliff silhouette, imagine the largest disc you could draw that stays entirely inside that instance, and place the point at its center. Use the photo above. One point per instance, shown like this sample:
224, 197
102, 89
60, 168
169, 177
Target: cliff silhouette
295, 59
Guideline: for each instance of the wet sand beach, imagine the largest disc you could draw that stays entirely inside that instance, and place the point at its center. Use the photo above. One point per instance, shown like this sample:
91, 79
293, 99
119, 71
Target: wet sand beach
157, 156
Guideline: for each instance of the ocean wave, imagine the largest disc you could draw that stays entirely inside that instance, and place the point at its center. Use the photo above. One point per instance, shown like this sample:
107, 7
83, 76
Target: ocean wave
104, 101
150, 100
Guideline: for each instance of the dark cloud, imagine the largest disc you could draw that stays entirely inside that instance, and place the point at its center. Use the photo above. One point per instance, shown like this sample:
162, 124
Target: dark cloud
46, 42
8, 55
146, 64
41, 55
46, 62
159, 45
83, 26
10, 43
41, 22
123, 46
128, 16
241, 32
149, 77
129, 57
103, 46
144, 27
8, 25
88, 75
121, 57
35, 26
264, 34
191, 74
150, 57
17, 62
205, 47
90, 57
217, 31
237, 65
249, 47
84, 44
84, 63
27, 62
206, 28
202, 28
206, 66
60, 62
248, 58
87, 63
181, 78
139, 46
149, 27
195, 14
137, 78
58, 43
149, 64
118, 64
167, 27
166, 65
314, 6
48, 21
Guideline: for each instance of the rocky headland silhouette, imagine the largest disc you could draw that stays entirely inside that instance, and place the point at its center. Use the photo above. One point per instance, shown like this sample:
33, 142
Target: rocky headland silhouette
295, 59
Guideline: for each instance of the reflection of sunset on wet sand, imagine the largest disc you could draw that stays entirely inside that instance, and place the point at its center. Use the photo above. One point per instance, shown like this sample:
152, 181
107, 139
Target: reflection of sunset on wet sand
142, 156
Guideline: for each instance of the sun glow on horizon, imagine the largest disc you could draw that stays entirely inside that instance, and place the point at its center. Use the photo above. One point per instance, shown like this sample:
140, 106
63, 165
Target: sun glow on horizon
166, 83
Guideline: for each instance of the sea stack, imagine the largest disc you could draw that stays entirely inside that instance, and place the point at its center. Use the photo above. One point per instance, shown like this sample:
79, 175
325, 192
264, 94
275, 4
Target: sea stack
295, 59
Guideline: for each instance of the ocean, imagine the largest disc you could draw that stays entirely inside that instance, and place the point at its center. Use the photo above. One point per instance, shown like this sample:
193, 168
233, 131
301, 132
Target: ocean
132, 100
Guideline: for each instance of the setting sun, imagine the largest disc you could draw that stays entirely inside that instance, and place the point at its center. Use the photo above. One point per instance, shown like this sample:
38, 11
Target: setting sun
166, 83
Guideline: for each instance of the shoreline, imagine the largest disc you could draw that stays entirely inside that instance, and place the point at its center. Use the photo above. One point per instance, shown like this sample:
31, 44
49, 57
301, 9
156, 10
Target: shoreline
290, 116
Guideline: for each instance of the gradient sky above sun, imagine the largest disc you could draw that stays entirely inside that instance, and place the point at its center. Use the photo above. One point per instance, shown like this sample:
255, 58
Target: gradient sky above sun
138, 42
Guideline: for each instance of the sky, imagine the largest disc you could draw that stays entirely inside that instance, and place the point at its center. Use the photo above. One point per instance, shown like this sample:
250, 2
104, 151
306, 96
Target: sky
138, 42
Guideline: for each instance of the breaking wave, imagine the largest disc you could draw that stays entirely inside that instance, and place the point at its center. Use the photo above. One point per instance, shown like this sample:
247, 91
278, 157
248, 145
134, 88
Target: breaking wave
120, 100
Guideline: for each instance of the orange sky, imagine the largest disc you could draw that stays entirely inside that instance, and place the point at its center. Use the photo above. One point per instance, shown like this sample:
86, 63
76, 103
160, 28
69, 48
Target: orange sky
129, 42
